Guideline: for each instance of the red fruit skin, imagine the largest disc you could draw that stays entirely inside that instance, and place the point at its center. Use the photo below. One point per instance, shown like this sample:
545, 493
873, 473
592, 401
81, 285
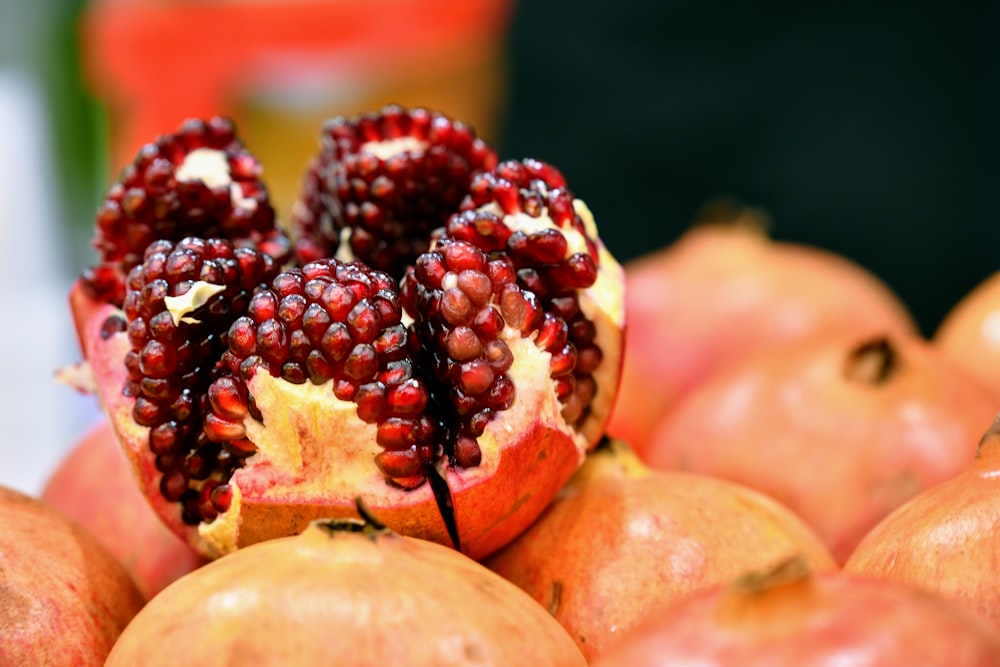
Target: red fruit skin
94, 486
970, 333
945, 539
840, 450
722, 292
346, 598
621, 540
828, 619
64, 600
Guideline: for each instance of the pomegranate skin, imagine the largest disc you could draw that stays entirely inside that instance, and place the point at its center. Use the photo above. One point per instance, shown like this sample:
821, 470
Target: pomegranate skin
95, 487
944, 540
820, 619
64, 599
722, 291
970, 333
841, 431
621, 540
349, 598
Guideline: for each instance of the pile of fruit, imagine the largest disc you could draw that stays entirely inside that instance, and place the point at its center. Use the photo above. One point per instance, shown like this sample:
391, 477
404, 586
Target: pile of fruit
420, 420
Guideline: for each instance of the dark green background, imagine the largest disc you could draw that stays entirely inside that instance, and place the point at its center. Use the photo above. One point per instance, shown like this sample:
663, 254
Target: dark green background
865, 128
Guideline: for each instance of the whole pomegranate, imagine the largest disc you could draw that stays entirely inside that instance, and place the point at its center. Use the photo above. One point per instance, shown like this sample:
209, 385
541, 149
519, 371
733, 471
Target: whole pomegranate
944, 540
348, 593
970, 333
621, 540
441, 336
94, 486
63, 598
789, 616
842, 431
726, 289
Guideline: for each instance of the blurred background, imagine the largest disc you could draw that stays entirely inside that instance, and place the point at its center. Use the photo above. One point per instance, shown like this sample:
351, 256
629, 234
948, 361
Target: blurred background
868, 129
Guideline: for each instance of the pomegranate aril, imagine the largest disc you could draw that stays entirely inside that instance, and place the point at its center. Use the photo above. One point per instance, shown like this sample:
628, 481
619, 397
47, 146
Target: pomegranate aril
401, 465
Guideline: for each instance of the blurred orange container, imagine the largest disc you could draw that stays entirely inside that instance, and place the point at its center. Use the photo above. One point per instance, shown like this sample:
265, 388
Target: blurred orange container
279, 68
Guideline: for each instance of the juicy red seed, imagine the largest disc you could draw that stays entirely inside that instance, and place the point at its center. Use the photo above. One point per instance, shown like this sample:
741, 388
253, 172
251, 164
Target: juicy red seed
553, 333
272, 343
336, 341
400, 464
222, 497
463, 344
499, 356
227, 398
407, 399
456, 307
164, 438
467, 452
563, 361
371, 400
501, 394
476, 285
173, 485
157, 359
514, 307
362, 363
396, 433
475, 377
588, 360
222, 430
565, 386
146, 412
363, 322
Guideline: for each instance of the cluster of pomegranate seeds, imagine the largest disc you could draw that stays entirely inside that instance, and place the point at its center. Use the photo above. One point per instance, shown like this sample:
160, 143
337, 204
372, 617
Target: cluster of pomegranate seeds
545, 263
338, 322
178, 307
197, 181
390, 178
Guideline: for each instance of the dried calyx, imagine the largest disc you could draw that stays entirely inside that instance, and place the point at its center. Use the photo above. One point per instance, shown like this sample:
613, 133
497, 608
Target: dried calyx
474, 344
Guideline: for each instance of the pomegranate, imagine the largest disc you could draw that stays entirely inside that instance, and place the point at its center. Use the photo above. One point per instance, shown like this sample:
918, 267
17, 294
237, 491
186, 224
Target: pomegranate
841, 431
621, 540
64, 599
94, 486
724, 290
255, 390
344, 593
789, 616
944, 540
970, 333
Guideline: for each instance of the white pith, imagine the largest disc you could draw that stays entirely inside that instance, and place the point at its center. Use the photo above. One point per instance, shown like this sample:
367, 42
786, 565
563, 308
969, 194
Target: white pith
190, 301
384, 149
211, 167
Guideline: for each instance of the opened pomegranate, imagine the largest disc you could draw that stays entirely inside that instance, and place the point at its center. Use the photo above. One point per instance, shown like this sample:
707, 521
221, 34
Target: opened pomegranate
841, 431
970, 333
944, 540
64, 599
94, 486
344, 593
789, 616
621, 540
724, 290
455, 391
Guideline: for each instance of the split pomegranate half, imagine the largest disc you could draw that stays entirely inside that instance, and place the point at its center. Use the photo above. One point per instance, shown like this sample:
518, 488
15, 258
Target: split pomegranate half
439, 333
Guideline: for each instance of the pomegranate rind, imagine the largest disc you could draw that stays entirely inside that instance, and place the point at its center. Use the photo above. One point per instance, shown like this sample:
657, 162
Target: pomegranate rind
64, 599
332, 596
